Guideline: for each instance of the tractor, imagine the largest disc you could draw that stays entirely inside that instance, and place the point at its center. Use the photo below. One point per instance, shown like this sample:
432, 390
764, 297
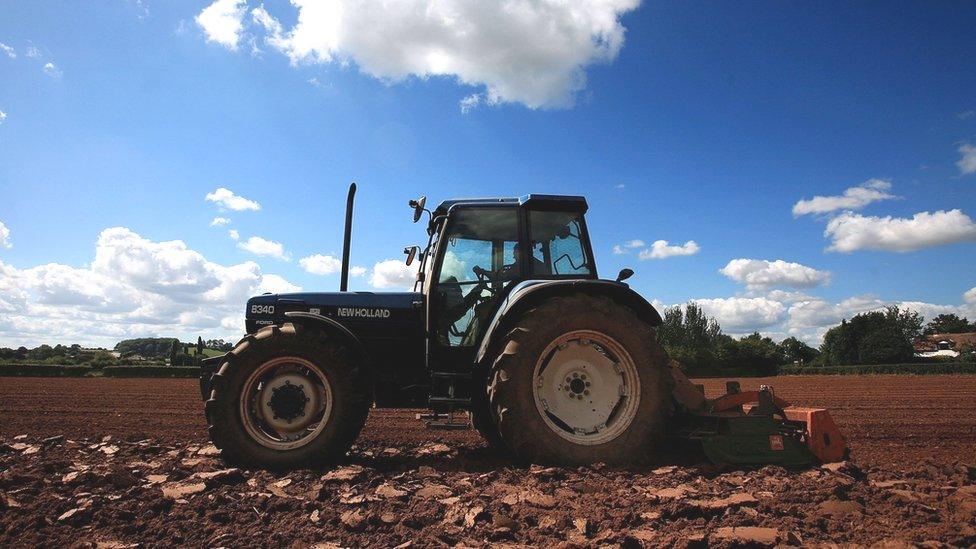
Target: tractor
509, 321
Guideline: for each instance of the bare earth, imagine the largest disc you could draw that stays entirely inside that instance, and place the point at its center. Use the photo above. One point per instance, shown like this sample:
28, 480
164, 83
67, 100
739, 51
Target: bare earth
155, 481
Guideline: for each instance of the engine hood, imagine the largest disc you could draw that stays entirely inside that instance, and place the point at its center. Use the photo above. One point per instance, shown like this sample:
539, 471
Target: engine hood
362, 312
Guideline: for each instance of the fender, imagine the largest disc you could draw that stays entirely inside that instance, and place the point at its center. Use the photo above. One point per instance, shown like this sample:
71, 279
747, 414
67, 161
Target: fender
530, 292
210, 366
332, 327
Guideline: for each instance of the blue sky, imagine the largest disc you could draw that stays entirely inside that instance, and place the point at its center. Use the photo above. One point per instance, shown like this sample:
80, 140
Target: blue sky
679, 122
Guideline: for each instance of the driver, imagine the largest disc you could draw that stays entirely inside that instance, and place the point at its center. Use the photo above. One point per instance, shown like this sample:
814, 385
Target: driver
511, 271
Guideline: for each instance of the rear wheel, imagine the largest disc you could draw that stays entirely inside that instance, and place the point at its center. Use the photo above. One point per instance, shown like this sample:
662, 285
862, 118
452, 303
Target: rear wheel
581, 379
287, 397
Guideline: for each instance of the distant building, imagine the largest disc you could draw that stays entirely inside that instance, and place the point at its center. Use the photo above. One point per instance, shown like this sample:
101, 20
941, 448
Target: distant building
949, 345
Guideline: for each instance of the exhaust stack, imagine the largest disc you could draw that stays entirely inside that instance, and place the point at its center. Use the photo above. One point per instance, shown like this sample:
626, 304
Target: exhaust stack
344, 280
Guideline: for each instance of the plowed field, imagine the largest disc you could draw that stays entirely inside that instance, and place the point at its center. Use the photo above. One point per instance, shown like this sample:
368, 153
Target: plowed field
126, 461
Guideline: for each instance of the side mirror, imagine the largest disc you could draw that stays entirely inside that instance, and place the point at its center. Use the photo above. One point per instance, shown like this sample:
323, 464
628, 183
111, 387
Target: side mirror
418, 207
624, 274
411, 252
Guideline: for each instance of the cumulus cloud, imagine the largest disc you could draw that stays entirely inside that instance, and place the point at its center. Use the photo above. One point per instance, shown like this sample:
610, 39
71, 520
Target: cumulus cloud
234, 234
225, 198
262, 246
9, 51
762, 273
3, 116
321, 264
5, 237
744, 314
394, 273
356, 270
534, 53
660, 249
853, 198
222, 22
967, 159
219, 222
33, 52
850, 232
52, 70
629, 245
970, 295
134, 287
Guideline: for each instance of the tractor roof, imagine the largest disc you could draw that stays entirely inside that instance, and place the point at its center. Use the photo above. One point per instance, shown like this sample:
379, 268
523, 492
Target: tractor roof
548, 202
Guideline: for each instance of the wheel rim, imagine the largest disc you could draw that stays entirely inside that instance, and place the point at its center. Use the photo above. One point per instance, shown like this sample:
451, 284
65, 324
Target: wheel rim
286, 403
586, 387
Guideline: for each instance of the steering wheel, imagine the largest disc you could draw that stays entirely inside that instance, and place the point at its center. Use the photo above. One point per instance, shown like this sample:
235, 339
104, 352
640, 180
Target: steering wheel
483, 278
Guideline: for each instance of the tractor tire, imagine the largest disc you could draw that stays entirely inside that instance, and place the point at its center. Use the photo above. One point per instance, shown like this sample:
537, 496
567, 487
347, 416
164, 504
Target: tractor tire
318, 386
482, 421
580, 379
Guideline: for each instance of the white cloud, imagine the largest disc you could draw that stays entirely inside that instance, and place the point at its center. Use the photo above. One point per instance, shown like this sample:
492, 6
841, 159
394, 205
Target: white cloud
5, 237
620, 186
11, 53
261, 246
761, 273
3, 116
234, 234
222, 22
52, 70
219, 222
356, 270
852, 232
277, 285
225, 198
853, 198
523, 51
469, 103
134, 287
394, 273
33, 52
629, 245
967, 159
743, 314
970, 295
321, 264
660, 249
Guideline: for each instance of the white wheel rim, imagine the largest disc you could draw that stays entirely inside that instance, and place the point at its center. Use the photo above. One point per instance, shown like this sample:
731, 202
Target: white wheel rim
286, 403
586, 387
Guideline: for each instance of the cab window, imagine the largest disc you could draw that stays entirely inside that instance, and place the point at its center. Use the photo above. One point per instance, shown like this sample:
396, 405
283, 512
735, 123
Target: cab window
557, 244
478, 260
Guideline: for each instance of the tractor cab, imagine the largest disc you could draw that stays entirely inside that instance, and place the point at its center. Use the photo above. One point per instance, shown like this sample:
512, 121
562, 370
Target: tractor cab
479, 250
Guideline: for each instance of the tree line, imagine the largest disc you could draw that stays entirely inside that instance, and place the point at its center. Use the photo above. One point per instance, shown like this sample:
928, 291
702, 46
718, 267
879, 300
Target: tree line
146, 350
696, 341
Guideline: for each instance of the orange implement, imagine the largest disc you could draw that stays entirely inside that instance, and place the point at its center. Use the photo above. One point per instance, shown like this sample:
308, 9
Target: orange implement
823, 436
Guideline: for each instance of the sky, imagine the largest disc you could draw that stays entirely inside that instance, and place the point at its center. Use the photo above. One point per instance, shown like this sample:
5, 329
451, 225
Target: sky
783, 165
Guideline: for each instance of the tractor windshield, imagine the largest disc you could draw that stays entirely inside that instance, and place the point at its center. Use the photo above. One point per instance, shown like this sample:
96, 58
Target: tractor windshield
479, 259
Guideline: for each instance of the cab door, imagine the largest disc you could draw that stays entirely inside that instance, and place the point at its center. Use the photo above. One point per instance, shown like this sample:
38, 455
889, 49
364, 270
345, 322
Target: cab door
478, 259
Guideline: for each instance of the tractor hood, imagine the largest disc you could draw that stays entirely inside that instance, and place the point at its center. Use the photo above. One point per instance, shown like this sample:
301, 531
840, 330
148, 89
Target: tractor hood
367, 314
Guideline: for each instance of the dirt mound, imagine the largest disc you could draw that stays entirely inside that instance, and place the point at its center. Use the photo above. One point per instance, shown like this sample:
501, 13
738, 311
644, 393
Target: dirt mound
115, 493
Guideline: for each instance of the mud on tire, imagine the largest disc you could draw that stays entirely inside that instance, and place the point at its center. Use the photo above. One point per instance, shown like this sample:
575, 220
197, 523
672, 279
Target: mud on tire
524, 421
348, 407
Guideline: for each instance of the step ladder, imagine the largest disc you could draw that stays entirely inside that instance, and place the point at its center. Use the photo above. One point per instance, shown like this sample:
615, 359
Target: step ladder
456, 417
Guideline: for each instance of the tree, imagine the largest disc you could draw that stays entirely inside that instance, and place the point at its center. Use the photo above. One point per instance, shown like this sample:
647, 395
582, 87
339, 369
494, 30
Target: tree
174, 353
885, 346
794, 351
199, 345
949, 324
889, 336
752, 352
690, 337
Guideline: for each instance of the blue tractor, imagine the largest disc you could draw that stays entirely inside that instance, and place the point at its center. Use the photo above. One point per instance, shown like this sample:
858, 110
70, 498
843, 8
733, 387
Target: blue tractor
509, 320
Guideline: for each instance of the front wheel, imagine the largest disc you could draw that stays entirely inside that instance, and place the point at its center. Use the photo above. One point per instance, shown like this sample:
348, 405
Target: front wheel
287, 397
581, 379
